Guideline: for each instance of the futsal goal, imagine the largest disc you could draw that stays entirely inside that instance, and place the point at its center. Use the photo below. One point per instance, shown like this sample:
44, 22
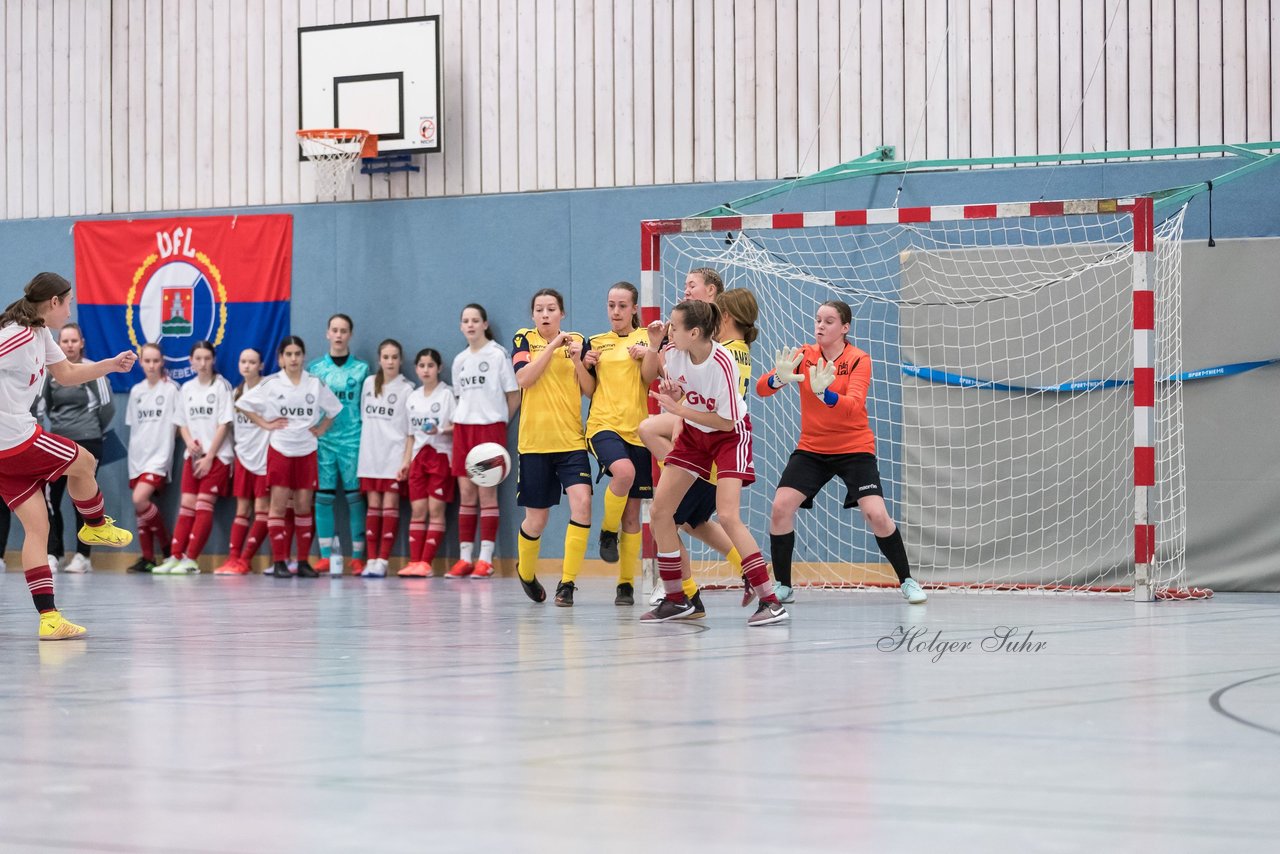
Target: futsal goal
1025, 401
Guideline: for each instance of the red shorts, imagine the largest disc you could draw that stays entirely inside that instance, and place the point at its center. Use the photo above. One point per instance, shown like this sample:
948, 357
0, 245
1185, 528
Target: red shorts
292, 472
380, 484
215, 482
156, 480
28, 467
467, 436
430, 476
249, 485
728, 450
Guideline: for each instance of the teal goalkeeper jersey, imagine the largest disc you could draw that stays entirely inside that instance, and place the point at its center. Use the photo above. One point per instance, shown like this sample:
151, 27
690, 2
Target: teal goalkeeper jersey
345, 382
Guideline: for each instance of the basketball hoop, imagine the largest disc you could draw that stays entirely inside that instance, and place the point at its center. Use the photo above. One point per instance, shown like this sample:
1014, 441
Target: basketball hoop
334, 152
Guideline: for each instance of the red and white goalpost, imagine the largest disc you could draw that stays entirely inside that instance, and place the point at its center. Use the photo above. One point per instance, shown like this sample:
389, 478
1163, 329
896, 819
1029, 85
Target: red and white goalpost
1028, 432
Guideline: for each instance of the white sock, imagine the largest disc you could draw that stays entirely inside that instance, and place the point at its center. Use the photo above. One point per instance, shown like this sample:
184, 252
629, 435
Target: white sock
467, 549
486, 551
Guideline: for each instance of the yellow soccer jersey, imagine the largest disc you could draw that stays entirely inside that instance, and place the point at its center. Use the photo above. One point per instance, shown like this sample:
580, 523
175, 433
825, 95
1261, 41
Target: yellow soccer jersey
742, 355
551, 409
620, 401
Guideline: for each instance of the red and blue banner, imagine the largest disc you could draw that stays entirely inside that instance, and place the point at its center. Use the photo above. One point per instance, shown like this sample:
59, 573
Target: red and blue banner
174, 282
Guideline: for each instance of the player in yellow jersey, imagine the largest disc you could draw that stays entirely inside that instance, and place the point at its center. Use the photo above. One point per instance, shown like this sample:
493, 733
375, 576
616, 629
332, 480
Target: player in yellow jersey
553, 448
614, 375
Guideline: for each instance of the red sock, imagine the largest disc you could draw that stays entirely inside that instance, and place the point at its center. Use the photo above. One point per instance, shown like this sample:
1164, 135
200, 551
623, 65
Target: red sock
290, 523
40, 583
467, 523
417, 533
200, 529
279, 541
256, 533
489, 523
670, 570
239, 530
147, 521
303, 531
754, 568
182, 531
91, 510
373, 530
390, 528
435, 534
159, 530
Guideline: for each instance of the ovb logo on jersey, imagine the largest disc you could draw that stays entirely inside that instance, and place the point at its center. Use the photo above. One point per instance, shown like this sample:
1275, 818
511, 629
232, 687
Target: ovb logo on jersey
177, 298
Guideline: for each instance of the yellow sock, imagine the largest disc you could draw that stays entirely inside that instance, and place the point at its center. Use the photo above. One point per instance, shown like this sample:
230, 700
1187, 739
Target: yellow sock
629, 557
529, 547
735, 560
575, 549
613, 507
689, 586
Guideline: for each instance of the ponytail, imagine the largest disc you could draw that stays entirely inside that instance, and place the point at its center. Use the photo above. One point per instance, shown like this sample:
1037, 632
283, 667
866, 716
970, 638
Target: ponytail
25, 311
703, 316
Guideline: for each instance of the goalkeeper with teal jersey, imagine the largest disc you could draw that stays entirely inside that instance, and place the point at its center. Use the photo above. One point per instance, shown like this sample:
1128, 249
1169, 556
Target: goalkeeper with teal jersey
339, 452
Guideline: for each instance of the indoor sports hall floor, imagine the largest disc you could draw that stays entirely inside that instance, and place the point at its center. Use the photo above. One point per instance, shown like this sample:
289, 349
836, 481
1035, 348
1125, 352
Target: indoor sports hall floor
247, 714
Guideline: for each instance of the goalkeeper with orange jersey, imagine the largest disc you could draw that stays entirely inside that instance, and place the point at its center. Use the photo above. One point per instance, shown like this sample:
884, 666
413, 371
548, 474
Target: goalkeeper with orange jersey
833, 377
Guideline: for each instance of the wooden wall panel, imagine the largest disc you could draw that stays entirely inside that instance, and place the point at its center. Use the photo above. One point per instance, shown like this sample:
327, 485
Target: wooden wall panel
115, 106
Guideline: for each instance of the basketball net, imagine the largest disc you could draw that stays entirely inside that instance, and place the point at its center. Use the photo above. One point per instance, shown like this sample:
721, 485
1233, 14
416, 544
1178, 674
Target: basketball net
333, 152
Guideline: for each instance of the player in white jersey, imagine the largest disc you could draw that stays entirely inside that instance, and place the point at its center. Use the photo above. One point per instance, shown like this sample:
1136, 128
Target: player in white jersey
431, 483
250, 481
386, 447
204, 419
152, 405
296, 408
31, 457
488, 397
700, 384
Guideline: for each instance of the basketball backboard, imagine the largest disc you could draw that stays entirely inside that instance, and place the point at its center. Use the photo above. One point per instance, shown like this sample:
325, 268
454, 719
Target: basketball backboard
380, 76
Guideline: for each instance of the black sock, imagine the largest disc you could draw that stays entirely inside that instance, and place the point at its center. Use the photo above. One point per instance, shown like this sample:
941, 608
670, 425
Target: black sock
893, 548
43, 602
781, 547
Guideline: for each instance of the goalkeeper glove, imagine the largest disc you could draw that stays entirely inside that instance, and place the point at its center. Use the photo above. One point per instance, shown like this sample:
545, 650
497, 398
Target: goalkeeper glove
821, 376
784, 367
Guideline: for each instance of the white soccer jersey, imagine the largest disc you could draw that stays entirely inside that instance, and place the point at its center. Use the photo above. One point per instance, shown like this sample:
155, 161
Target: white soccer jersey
709, 387
482, 380
384, 425
439, 406
305, 405
251, 443
152, 409
202, 410
24, 353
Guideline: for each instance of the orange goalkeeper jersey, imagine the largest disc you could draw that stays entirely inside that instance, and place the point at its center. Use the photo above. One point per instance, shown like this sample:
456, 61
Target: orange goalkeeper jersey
839, 429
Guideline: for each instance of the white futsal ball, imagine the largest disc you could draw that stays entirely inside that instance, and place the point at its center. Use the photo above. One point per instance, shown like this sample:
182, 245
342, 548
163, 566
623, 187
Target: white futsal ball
488, 464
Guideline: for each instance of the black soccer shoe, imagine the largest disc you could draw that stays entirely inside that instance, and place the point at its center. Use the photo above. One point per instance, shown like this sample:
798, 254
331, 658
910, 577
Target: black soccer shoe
626, 594
305, 570
609, 546
534, 590
668, 610
142, 565
564, 594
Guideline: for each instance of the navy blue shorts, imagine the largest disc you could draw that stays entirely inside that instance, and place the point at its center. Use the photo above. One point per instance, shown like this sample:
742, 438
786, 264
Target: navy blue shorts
545, 477
698, 504
609, 447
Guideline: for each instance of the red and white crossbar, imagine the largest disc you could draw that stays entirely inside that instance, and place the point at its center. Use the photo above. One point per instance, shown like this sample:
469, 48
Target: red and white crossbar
1144, 339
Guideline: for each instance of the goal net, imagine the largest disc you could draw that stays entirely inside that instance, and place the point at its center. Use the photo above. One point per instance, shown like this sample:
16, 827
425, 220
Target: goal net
1009, 348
